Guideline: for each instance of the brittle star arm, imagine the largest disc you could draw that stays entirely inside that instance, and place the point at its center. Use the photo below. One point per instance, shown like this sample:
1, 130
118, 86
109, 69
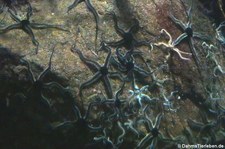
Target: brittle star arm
177, 22
29, 31
194, 54
105, 78
14, 17
107, 60
29, 11
94, 66
148, 138
44, 26
219, 32
120, 138
116, 75
116, 26
57, 85
141, 97
95, 14
75, 3
116, 43
89, 82
106, 140
218, 68
43, 73
11, 27
119, 31
157, 121
130, 125
135, 27
179, 39
196, 126
107, 86
141, 71
30, 72
90, 105
77, 112
200, 36
45, 100
193, 51
118, 65
179, 53
139, 43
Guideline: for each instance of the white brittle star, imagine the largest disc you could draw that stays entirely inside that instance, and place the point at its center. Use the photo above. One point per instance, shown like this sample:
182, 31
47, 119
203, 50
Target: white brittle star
137, 93
171, 45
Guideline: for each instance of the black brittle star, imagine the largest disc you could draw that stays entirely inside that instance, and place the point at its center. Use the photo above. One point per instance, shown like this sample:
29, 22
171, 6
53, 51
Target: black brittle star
38, 86
7, 3
116, 103
93, 11
115, 142
188, 34
218, 110
128, 39
127, 65
154, 134
82, 121
208, 129
82, 124
27, 26
101, 72
11, 4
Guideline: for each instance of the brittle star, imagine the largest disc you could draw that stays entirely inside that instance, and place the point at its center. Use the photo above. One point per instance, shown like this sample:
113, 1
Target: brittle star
27, 26
7, 3
35, 92
130, 124
207, 128
107, 143
101, 72
218, 110
217, 68
93, 11
153, 134
81, 122
128, 40
208, 48
137, 93
116, 103
219, 31
171, 45
168, 101
106, 140
155, 81
127, 65
11, 4
188, 34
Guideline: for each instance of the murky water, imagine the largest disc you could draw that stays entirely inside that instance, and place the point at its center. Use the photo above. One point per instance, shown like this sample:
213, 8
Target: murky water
111, 74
